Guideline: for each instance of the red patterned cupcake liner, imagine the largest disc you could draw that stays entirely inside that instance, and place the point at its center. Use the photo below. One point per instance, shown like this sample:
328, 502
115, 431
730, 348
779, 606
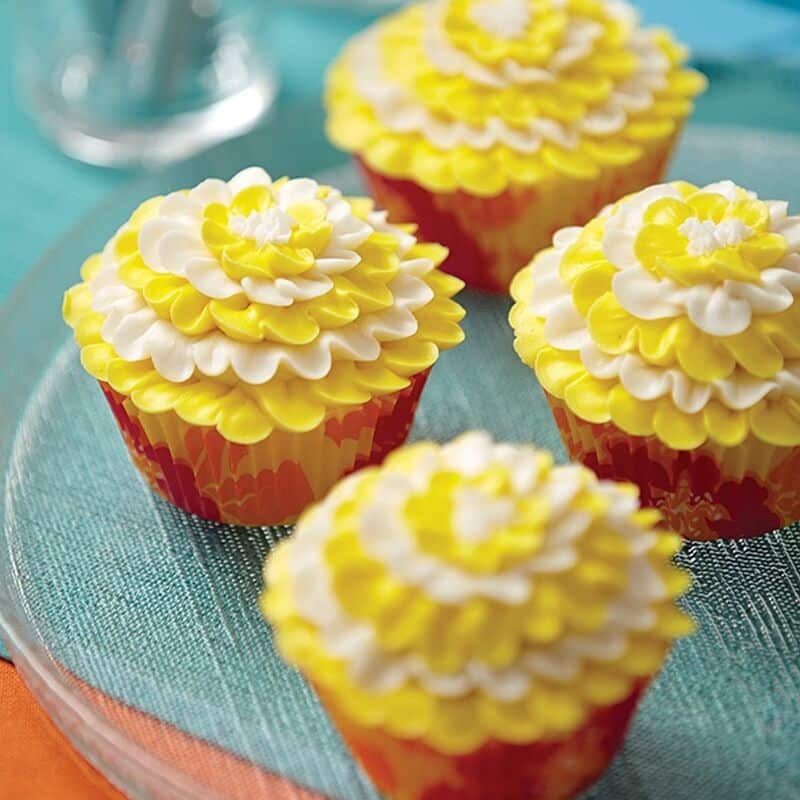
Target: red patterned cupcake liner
552, 769
270, 482
712, 492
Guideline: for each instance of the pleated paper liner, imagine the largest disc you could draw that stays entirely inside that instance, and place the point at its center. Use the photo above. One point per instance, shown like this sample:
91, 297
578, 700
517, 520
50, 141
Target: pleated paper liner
272, 481
491, 238
552, 769
711, 492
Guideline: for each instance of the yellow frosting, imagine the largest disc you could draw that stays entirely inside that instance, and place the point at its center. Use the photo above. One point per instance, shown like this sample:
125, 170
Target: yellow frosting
574, 86
339, 325
474, 591
672, 314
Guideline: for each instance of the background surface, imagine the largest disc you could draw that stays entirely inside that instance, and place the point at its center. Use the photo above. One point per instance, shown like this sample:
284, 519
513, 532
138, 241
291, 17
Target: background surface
750, 51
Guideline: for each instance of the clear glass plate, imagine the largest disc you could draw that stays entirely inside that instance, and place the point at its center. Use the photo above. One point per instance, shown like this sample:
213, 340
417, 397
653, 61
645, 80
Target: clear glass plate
136, 626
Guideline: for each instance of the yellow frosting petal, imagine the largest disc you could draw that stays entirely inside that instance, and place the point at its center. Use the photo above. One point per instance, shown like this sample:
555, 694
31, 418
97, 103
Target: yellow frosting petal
633, 416
557, 370
755, 352
725, 426
777, 422
589, 398
591, 285
676, 429
702, 357
290, 405
611, 326
765, 250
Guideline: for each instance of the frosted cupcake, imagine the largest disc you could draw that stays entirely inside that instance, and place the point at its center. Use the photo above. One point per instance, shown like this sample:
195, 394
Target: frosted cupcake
493, 123
478, 623
258, 340
666, 335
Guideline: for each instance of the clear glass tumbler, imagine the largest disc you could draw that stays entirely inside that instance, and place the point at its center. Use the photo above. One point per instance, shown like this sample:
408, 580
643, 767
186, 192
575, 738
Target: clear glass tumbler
130, 82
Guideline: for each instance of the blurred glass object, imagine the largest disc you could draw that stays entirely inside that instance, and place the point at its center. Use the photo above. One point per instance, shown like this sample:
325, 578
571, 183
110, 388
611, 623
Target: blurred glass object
131, 82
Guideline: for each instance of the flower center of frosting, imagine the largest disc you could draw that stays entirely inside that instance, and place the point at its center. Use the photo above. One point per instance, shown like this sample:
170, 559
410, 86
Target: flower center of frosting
272, 225
706, 236
477, 514
506, 19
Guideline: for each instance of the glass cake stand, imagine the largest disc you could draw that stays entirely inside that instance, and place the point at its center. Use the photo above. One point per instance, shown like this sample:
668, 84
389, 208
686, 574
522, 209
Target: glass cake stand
136, 626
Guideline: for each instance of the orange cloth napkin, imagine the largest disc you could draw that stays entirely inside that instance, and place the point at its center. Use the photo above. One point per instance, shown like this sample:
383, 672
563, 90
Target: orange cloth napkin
36, 760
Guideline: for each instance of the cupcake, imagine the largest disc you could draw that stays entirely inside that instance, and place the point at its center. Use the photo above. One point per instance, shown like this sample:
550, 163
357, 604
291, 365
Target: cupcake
666, 336
493, 123
259, 340
477, 622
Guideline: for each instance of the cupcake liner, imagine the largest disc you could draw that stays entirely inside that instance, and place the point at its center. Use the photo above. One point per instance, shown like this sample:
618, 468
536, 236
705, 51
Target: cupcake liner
269, 482
712, 492
553, 769
491, 239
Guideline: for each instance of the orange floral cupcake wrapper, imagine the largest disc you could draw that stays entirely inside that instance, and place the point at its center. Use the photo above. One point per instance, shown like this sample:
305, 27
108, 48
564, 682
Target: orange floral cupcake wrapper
558, 769
270, 482
491, 239
712, 492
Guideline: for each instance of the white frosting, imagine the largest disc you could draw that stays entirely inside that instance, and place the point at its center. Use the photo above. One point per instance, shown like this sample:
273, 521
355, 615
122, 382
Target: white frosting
400, 111
477, 514
721, 309
272, 225
507, 19
356, 643
706, 236
171, 243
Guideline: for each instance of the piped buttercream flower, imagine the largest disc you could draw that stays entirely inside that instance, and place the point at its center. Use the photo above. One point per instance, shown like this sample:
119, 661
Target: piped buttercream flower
474, 592
255, 304
480, 94
673, 312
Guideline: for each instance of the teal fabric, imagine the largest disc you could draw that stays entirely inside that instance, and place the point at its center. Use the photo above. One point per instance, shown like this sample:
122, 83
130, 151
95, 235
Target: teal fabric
159, 609
748, 652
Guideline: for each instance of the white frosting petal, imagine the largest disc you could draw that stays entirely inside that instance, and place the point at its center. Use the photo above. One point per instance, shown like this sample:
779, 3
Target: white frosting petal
204, 274
714, 311
211, 190
645, 296
507, 19
566, 328
251, 176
